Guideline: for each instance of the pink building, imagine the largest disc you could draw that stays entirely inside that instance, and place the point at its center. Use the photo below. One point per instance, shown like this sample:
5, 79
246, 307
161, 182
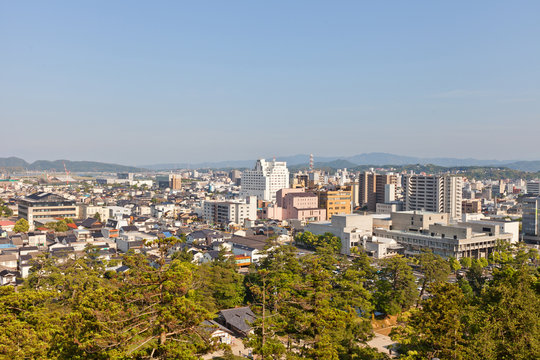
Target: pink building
296, 204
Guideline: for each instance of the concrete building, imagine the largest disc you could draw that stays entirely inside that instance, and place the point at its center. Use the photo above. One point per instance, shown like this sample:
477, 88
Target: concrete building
471, 206
338, 202
46, 207
373, 189
388, 208
175, 182
90, 211
265, 180
531, 220
233, 211
349, 228
418, 231
533, 188
296, 204
442, 194
485, 225
380, 248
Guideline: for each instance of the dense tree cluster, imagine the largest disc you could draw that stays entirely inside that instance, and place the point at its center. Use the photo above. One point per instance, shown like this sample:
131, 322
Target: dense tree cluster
479, 318
5, 211
312, 241
315, 306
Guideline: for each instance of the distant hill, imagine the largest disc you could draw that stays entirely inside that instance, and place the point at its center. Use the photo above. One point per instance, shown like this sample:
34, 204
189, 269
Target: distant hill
72, 166
13, 162
524, 165
373, 159
327, 165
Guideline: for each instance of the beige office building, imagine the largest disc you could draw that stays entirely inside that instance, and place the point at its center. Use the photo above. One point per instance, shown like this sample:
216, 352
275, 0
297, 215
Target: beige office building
46, 207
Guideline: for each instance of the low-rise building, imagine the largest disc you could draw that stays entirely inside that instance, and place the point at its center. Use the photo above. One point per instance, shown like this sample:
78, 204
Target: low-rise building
431, 231
349, 228
46, 207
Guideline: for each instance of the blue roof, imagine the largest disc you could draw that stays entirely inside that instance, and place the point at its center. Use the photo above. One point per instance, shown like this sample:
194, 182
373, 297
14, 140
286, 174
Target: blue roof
6, 246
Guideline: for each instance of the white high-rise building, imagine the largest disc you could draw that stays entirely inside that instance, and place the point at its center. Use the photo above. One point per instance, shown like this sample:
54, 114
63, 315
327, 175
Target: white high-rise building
265, 180
440, 194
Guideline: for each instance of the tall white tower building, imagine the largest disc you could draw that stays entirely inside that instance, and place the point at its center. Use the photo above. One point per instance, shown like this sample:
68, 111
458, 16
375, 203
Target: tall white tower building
265, 180
441, 194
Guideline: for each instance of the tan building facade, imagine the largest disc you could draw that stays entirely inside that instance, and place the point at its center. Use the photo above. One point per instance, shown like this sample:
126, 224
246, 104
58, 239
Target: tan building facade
338, 202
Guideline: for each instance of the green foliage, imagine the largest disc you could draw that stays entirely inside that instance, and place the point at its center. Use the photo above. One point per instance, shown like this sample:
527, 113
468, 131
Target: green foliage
70, 310
313, 242
21, 226
465, 262
58, 226
434, 268
436, 330
396, 287
318, 303
5, 211
222, 287
454, 264
309, 307
479, 318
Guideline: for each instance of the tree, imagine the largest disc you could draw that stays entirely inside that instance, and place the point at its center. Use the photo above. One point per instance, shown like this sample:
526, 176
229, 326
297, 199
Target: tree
313, 242
218, 284
58, 226
21, 226
396, 287
97, 216
435, 330
454, 264
434, 268
506, 322
466, 262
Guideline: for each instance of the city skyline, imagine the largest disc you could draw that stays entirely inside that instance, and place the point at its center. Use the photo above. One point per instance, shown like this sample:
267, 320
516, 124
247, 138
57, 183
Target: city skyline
135, 83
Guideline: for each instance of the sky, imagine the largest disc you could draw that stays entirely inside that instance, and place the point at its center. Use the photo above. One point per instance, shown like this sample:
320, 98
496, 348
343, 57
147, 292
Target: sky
146, 82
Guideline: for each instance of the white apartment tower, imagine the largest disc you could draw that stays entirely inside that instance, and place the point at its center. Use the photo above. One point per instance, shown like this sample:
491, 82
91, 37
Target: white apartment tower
441, 194
265, 180
235, 211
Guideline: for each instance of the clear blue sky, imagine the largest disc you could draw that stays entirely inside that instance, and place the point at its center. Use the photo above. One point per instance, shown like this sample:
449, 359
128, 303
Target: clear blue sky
140, 82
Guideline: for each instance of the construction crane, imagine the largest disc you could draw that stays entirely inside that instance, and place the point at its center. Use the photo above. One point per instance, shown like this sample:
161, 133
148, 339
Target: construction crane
67, 173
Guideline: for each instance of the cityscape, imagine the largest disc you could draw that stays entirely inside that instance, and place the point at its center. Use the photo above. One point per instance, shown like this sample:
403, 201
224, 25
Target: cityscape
171, 184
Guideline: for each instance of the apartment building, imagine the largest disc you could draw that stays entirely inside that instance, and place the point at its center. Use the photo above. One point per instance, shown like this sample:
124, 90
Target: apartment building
433, 193
533, 188
337, 202
266, 178
373, 189
234, 211
531, 220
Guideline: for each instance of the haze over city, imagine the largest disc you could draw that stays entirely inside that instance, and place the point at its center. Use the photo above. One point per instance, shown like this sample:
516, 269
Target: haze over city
143, 83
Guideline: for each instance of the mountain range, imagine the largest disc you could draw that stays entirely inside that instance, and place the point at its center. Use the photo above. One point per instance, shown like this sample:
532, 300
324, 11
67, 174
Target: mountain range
295, 161
72, 166
375, 159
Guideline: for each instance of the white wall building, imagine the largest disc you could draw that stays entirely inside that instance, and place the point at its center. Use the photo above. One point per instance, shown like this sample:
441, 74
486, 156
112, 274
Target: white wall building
349, 228
234, 211
265, 180
440, 194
